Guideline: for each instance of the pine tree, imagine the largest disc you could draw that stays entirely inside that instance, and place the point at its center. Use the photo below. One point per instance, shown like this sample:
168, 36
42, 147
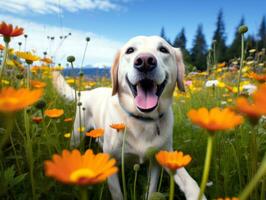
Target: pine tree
163, 35
180, 42
262, 34
220, 38
250, 42
235, 47
199, 50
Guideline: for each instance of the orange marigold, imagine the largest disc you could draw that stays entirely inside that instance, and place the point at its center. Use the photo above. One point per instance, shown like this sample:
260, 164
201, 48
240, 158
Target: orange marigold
215, 119
255, 109
47, 60
95, 133
37, 84
118, 127
173, 160
69, 119
258, 77
54, 113
12, 100
77, 169
1, 47
228, 198
37, 120
7, 30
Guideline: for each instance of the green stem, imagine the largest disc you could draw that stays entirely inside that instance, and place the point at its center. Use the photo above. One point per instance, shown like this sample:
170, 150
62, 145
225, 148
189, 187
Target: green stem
9, 128
101, 191
29, 153
4, 62
161, 180
263, 188
90, 142
15, 152
206, 166
123, 165
83, 193
252, 184
172, 186
135, 185
241, 63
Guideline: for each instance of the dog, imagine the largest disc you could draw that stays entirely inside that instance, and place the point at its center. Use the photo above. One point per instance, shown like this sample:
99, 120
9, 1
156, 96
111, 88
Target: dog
144, 75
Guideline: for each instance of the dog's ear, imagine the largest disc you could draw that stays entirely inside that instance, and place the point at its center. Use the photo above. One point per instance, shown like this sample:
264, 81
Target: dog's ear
114, 73
180, 70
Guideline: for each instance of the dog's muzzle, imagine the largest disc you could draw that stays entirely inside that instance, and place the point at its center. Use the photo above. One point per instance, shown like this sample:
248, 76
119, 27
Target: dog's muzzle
146, 93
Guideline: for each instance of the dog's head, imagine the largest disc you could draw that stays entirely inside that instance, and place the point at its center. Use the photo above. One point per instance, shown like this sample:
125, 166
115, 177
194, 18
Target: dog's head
145, 72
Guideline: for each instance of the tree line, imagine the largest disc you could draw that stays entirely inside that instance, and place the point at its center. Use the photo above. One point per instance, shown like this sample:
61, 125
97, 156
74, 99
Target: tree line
196, 56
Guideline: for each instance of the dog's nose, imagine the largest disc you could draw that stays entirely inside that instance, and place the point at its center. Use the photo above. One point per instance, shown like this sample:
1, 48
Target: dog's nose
145, 62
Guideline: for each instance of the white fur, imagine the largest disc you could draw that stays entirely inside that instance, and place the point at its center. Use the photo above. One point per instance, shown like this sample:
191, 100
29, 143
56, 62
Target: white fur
104, 109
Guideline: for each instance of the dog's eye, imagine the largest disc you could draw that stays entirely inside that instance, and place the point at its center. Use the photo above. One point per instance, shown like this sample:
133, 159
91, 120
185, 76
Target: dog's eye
163, 49
130, 50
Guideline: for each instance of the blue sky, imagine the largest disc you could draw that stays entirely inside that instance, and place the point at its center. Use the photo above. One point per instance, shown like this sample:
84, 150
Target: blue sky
118, 20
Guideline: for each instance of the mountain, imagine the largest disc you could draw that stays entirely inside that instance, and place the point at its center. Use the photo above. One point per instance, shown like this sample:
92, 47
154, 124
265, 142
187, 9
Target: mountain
90, 72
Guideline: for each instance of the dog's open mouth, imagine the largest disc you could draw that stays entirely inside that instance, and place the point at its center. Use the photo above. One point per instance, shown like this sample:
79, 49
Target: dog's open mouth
146, 93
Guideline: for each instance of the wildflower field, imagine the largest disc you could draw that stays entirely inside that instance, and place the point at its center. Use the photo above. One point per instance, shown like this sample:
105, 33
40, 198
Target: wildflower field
219, 132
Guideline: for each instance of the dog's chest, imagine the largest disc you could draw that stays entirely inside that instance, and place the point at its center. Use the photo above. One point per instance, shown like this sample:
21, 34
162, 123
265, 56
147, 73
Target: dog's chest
141, 138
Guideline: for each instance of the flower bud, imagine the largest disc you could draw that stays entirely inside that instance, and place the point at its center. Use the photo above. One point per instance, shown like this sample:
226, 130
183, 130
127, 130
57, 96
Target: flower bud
70, 59
243, 29
136, 167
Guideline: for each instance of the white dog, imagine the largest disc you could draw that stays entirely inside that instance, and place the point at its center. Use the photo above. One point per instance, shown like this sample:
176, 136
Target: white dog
144, 75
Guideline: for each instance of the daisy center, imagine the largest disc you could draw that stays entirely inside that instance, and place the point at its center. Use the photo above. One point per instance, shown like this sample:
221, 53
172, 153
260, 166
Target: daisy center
80, 174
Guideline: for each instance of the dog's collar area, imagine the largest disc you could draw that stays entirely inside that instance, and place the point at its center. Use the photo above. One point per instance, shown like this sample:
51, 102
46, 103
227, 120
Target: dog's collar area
142, 118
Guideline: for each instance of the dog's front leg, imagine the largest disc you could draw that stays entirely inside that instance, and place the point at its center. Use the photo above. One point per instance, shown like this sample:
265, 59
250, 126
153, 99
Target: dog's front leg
114, 187
154, 178
187, 184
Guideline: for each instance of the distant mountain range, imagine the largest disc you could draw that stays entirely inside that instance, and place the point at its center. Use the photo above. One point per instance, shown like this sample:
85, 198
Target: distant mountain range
90, 72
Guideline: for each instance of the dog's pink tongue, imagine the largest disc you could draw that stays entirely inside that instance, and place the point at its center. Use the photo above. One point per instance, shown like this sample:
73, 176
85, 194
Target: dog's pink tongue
146, 99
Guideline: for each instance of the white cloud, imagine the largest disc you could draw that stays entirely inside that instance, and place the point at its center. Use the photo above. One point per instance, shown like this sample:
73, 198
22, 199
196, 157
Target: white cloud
56, 6
100, 49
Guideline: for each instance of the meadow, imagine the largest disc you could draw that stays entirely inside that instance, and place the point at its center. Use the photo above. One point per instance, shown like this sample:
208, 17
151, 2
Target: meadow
36, 123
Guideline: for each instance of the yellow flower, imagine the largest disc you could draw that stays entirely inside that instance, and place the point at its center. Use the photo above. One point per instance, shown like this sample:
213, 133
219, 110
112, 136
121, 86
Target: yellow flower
27, 56
70, 81
12, 100
81, 129
67, 135
87, 169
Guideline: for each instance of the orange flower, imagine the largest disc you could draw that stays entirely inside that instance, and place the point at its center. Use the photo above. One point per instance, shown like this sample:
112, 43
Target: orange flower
54, 113
1, 47
8, 31
227, 198
70, 119
258, 77
37, 84
47, 60
12, 100
95, 133
256, 109
37, 120
220, 65
173, 160
118, 127
77, 169
215, 119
